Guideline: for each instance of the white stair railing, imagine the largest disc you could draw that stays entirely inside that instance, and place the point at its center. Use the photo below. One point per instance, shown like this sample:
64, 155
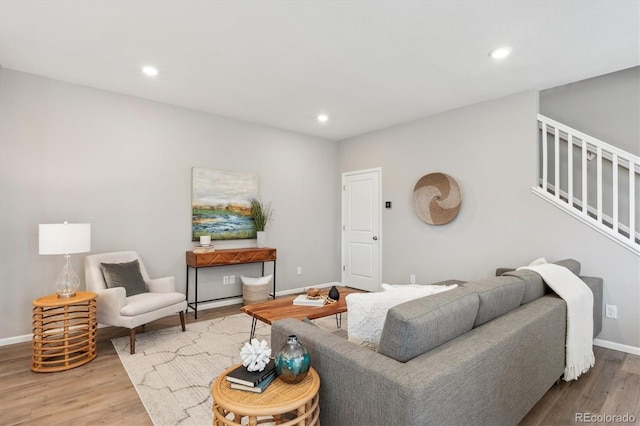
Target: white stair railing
591, 180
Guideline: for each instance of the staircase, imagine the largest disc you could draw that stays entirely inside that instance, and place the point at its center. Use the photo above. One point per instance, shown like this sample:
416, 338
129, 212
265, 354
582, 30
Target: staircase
591, 180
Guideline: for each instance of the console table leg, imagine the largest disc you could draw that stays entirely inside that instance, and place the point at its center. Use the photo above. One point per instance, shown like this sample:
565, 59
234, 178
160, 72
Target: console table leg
186, 310
274, 279
195, 302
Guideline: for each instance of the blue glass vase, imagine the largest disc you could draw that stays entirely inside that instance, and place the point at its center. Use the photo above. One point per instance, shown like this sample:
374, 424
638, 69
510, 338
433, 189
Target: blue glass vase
292, 361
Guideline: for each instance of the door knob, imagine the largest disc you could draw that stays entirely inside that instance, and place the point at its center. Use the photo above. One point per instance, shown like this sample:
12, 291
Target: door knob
375, 238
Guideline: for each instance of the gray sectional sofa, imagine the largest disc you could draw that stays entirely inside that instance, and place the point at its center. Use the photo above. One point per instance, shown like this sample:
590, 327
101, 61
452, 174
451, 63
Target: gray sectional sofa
483, 353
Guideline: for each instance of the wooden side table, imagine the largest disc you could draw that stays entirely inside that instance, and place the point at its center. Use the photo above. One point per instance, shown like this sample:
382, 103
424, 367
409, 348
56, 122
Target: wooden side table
285, 404
64, 332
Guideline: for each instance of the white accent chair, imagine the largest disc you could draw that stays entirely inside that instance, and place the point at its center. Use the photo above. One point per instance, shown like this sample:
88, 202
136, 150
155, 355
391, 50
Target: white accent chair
116, 309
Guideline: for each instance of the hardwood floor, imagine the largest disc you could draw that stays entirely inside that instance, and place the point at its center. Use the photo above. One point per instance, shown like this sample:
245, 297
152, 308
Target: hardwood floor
611, 387
100, 392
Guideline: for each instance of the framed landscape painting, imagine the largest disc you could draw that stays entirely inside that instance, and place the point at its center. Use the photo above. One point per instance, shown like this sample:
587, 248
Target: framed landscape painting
220, 204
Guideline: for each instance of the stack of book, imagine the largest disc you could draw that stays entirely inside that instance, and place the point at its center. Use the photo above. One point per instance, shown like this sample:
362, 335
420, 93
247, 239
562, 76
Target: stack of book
203, 249
305, 300
252, 381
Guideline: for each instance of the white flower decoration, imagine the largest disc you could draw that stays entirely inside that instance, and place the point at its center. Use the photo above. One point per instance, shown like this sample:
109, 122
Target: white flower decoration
255, 356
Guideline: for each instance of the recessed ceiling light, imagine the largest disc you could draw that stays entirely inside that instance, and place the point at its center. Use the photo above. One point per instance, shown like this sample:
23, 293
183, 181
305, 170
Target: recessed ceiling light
323, 118
500, 52
150, 71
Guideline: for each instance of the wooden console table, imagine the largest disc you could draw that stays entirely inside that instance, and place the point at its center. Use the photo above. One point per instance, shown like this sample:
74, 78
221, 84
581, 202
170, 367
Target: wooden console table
226, 257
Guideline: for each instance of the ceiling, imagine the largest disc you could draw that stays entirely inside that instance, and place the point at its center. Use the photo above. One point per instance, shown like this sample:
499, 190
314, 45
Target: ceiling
367, 64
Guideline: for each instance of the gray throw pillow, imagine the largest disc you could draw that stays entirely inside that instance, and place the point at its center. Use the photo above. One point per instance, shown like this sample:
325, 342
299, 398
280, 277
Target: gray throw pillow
125, 275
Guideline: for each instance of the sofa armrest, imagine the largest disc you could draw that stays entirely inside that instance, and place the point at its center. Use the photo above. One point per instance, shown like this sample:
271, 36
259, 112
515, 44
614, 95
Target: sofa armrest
596, 285
162, 285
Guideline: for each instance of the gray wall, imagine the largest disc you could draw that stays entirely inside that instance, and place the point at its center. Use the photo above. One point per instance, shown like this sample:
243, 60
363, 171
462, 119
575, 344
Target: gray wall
490, 149
606, 107
123, 164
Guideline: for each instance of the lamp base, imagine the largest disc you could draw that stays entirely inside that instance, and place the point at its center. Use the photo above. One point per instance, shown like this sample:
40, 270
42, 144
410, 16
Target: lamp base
67, 282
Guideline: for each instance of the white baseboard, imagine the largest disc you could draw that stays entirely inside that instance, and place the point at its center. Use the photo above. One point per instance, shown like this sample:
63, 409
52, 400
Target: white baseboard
201, 306
25, 338
303, 289
235, 300
16, 339
217, 304
633, 350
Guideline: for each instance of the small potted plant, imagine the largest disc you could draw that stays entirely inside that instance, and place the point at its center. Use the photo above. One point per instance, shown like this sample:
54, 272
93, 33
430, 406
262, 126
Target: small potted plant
262, 214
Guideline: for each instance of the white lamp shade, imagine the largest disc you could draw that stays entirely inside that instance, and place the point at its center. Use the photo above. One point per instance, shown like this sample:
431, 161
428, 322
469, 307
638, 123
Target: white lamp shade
65, 238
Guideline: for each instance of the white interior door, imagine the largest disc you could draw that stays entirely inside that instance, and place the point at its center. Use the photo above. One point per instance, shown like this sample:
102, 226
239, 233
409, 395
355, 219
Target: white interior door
361, 229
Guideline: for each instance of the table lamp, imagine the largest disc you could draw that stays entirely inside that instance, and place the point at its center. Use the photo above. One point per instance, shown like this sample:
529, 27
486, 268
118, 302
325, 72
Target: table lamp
65, 238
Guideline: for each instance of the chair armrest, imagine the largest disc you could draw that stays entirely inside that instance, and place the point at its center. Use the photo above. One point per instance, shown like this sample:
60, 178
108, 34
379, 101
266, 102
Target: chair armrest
109, 303
112, 299
162, 285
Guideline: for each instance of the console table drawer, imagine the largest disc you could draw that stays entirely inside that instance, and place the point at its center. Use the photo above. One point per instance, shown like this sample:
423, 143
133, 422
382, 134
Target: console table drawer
230, 257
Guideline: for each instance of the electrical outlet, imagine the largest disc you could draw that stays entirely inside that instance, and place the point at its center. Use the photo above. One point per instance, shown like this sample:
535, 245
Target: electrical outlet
225, 280
299, 270
611, 311
412, 279
232, 279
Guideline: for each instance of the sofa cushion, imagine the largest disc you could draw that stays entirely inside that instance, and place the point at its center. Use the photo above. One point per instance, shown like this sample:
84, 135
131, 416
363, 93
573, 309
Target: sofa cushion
148, 302
367, 312
534, 287
415, 327
571, 264
497, 295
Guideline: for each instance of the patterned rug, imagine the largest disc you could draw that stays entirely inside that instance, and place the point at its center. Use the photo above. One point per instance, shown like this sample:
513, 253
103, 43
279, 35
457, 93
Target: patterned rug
172, 370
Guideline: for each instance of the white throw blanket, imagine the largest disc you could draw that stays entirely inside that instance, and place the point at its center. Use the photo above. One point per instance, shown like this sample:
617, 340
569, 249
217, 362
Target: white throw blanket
579, 299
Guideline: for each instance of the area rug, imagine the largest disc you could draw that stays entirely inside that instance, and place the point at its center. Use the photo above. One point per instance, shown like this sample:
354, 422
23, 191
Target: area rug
173, 371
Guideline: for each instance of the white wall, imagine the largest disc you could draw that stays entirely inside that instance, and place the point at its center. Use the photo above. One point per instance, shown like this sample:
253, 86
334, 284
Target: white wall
123, 164
490, 149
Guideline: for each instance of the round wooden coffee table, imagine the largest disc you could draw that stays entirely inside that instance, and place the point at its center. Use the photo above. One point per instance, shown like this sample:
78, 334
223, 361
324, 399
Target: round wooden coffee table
280, 402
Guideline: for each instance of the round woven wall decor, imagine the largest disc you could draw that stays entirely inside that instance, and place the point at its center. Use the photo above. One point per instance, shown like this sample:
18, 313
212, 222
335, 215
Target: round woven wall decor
437, 198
